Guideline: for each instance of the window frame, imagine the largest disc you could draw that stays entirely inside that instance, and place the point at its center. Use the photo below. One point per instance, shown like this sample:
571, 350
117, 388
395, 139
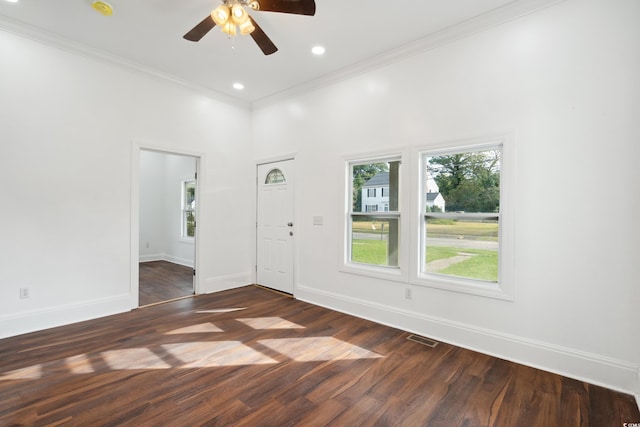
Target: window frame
504, 288
393, 273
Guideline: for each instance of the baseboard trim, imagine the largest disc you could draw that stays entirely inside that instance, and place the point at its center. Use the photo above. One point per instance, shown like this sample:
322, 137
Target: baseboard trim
39, 319
223, 283
592, 368
166, 257
179, 261
151, 258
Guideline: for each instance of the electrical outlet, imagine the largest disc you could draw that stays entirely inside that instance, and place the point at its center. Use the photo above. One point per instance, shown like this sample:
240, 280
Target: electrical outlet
407, 293
24, 293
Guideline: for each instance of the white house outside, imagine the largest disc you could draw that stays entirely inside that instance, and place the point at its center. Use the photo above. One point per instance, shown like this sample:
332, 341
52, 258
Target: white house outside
375, 194
435, 200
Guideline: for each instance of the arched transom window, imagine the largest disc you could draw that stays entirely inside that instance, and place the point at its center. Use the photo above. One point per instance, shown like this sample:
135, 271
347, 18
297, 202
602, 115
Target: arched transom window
275, 176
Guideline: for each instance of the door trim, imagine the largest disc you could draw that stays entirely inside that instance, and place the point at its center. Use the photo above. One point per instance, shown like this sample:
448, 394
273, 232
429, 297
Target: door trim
294, 188
134, 250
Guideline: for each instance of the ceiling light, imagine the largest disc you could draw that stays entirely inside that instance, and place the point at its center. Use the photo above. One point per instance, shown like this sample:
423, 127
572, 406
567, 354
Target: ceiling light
231, 14
318, 50
240, 16
103, 8
220, 15
247, 27
238, 86
229, 28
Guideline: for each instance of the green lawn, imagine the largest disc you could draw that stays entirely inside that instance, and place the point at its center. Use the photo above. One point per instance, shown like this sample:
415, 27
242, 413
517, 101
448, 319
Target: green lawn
369, 252
482, 266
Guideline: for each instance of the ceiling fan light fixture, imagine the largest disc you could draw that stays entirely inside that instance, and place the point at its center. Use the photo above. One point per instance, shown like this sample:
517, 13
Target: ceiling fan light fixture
229, 28
240, 16
220, 15
246, 28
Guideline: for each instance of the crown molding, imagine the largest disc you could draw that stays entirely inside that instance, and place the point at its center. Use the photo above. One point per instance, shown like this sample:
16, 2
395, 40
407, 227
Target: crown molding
30, 32
493, 18
490, 19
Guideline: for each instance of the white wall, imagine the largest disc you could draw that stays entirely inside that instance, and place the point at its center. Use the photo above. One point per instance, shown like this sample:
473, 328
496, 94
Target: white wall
565, 80
161, 177
67, 126
153, 218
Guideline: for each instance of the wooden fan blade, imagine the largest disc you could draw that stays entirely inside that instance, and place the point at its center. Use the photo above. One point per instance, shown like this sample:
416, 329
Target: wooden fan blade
200, 30
299, 7
262, 40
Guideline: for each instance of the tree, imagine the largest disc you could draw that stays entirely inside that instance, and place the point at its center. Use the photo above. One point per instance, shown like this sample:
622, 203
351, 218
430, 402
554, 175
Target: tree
361, 174
469, 182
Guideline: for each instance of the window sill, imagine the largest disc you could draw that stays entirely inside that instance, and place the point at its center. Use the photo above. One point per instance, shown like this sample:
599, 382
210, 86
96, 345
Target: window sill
190, 240
461, 285
394, 274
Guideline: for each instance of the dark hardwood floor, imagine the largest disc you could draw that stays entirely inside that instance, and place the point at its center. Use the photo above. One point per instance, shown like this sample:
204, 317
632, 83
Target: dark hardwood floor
251, 357
162, 281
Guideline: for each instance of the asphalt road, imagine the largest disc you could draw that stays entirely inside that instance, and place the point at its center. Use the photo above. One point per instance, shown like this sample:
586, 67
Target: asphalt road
452, 243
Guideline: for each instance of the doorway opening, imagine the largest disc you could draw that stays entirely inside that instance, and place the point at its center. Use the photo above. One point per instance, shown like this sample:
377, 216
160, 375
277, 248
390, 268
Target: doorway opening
167, 202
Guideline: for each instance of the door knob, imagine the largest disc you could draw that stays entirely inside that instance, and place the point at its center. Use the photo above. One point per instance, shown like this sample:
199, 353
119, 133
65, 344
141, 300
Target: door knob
290, 224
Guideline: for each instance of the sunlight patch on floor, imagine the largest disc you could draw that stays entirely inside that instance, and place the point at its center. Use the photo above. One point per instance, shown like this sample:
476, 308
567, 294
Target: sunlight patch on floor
196, 329
220, 310
29, 373
216, 353
79, 364
270, 323
133, 358
315, 349
205, 354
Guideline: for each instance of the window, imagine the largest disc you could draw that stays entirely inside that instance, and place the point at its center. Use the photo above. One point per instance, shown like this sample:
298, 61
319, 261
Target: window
188, 209
461, 241
371, 192
374, 235
275, 177
460, 234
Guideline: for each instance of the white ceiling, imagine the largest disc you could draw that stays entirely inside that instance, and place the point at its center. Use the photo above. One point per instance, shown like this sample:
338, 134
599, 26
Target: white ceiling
148, 33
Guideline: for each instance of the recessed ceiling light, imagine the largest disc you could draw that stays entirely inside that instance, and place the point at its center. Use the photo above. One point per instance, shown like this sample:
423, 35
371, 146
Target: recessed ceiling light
318, 50
238, 86
103, 8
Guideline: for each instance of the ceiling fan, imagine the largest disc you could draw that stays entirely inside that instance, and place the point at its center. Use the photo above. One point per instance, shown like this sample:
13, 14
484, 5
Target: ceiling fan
232, 13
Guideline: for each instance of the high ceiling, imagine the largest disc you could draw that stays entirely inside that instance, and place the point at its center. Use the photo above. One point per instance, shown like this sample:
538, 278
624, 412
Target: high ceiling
148, 33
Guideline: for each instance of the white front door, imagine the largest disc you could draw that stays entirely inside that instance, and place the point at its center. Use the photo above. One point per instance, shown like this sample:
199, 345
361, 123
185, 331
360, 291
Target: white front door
275, 225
